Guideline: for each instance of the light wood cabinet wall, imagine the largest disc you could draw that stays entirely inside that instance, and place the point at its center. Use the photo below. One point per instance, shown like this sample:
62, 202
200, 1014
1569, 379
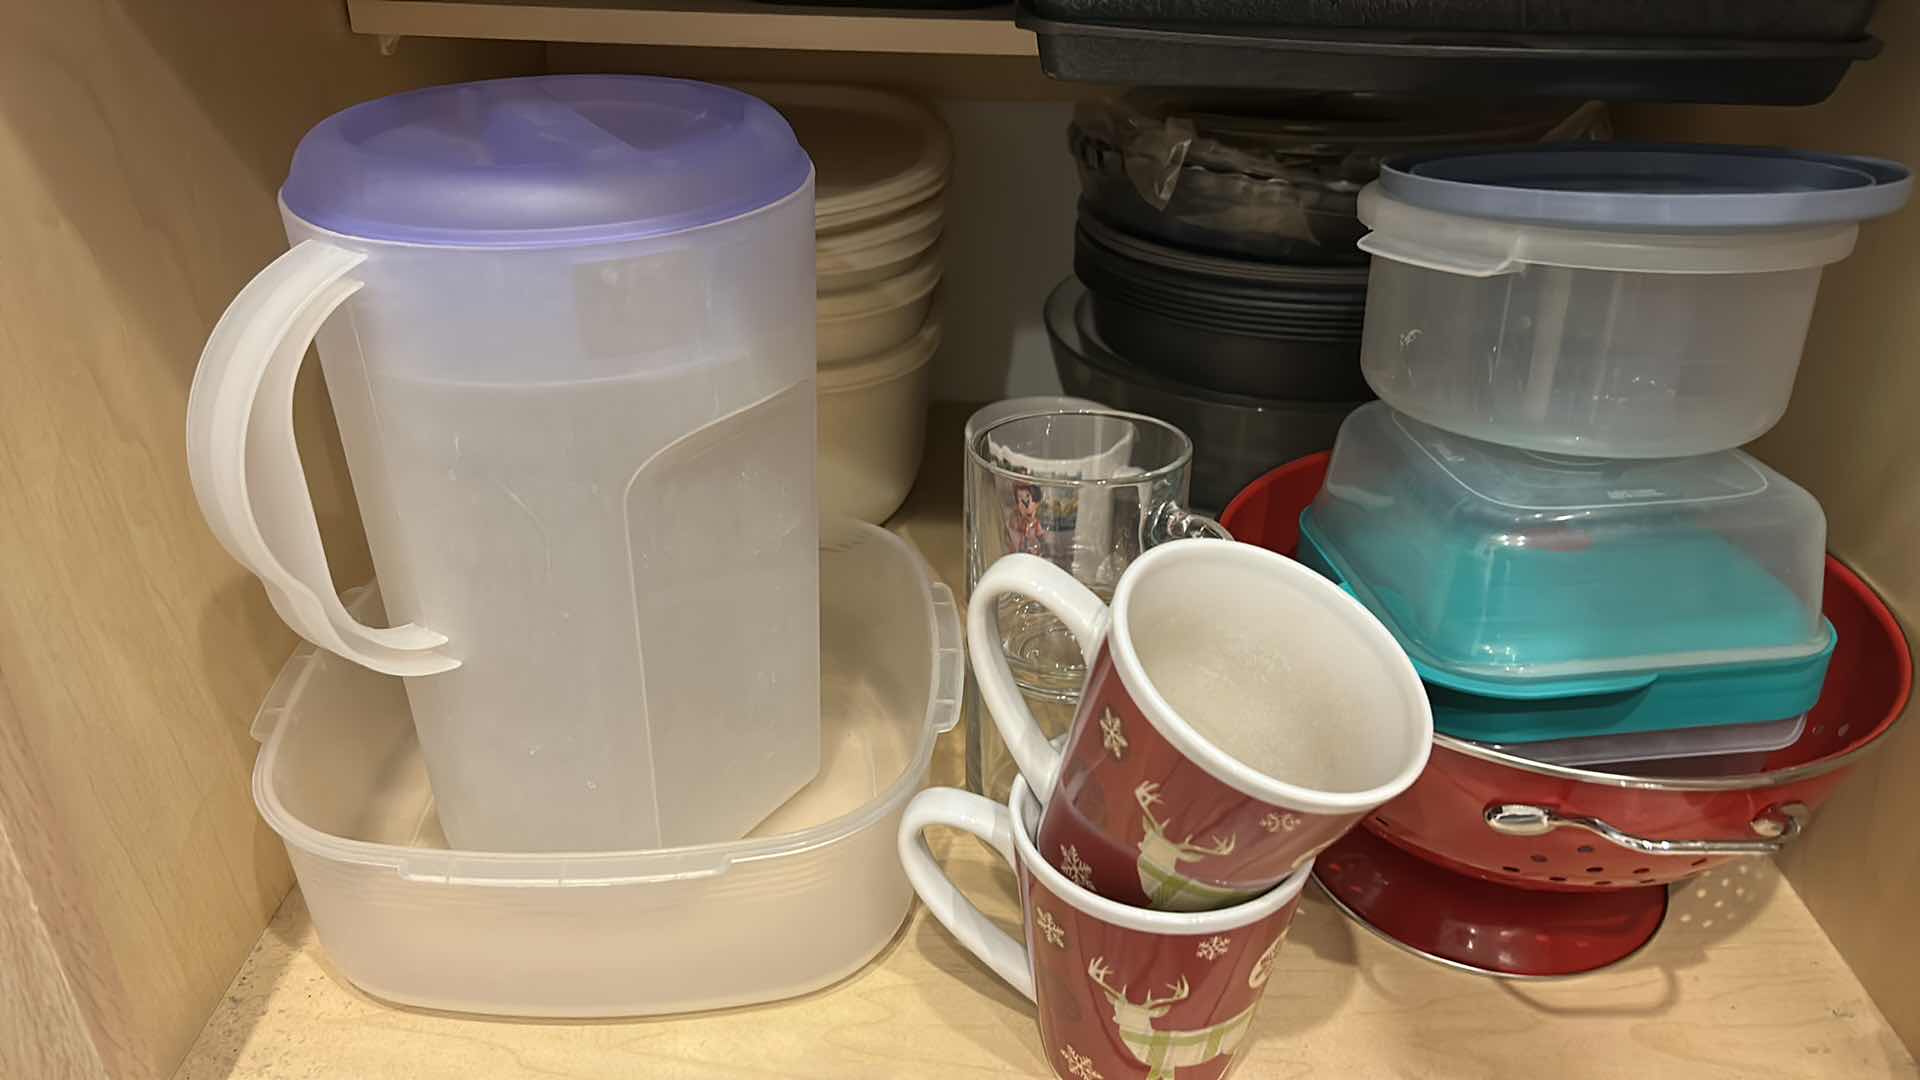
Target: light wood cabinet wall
1852, 437
140, 148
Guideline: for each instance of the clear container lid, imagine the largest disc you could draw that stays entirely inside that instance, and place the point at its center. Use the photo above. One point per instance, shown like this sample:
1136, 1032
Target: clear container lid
1495, 565
1669, 188
543, 161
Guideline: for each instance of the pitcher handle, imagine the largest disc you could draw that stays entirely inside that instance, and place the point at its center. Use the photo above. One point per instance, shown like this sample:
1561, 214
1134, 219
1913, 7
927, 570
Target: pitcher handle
246, 467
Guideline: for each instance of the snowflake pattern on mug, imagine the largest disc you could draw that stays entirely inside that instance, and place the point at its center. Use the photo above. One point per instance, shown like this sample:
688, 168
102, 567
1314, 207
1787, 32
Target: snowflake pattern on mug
1076, 868
1051, 929
1212, 948
1273, 823
1079, 1064
1112, 736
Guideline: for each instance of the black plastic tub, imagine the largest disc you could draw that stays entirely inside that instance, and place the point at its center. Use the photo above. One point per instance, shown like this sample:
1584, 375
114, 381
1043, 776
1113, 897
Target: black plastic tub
1716, 70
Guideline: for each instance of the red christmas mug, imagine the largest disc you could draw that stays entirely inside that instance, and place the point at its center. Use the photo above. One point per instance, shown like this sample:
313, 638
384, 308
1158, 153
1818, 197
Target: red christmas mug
1301, 715
1123, 993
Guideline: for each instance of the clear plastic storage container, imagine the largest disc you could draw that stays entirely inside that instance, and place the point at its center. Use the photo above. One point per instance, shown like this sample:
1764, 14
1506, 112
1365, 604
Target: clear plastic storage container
1605, 299
1564, 596
1728, 749
806, 899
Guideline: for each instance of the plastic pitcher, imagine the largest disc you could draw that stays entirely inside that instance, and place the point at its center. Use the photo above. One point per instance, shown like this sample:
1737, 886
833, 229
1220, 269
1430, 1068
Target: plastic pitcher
567, 328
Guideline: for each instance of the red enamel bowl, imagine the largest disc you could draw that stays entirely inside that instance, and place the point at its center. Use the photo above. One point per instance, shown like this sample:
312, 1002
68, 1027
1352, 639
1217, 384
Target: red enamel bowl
1534, 826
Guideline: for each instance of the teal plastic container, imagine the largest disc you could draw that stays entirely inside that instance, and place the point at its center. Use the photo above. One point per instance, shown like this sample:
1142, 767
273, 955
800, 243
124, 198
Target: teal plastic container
1545, 598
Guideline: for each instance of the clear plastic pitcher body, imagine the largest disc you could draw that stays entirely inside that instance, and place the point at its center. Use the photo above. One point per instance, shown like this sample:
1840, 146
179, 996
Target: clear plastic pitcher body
591, 469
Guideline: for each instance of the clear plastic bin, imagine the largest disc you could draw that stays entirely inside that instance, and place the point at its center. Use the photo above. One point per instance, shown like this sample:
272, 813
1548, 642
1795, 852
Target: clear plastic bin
1606, 299
1601, 344
1508, 564
806, 899
1727, 749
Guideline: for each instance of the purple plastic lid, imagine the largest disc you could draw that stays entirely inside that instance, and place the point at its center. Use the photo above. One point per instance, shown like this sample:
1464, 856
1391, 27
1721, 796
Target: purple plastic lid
543, 161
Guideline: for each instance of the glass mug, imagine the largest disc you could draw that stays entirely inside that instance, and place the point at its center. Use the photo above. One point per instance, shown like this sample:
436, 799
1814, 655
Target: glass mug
1088, 490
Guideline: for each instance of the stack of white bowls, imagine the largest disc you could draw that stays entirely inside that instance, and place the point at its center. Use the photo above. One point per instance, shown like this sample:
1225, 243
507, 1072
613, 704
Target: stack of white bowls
881, 164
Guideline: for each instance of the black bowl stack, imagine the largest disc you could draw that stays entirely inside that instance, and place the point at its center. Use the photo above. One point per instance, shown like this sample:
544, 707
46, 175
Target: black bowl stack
1236, 326
1223, 290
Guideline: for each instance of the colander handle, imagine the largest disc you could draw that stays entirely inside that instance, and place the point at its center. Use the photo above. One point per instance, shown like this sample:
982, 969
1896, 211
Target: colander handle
1773, 828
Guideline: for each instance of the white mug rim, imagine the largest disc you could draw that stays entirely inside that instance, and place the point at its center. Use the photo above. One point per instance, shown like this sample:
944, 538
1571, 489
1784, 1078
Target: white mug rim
1216, 762
1126, 916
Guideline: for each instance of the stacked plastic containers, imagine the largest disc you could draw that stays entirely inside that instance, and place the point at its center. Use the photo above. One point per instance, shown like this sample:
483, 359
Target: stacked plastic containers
635, 726
1218, 286
883, 162
1547, 506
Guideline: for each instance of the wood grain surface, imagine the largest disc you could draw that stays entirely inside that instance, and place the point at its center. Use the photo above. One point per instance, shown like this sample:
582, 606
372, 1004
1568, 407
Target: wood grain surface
1851, 437
1740, 983
140, 148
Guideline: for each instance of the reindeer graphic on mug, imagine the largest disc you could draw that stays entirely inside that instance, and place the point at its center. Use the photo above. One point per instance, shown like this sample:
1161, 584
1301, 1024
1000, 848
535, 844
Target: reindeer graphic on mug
1160, 857
1163, 1050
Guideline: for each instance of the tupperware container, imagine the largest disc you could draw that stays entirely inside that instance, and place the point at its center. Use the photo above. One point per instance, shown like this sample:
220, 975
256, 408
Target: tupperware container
564, 323
873, 428
806, 899
1235, 438
1603, 299
885, 249
878, 154
1546, 597
859, 323
1727, 749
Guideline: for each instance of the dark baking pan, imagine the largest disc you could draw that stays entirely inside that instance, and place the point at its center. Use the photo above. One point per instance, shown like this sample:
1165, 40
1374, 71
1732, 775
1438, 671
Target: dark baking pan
1777, 20
1452, 64
1211, 357
1235, 438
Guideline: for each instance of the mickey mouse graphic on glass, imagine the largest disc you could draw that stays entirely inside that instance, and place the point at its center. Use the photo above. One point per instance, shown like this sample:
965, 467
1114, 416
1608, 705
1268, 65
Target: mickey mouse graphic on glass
1139, 805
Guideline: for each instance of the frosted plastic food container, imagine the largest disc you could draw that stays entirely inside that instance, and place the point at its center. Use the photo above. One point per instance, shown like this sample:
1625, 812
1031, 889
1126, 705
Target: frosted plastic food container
1546, 597
806, 899
1605, 299
883, 250
860, 323
873, 428
1727, 745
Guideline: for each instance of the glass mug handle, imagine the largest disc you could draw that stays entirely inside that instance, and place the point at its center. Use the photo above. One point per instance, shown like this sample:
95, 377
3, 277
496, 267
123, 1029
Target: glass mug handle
1076, 606
1171, 521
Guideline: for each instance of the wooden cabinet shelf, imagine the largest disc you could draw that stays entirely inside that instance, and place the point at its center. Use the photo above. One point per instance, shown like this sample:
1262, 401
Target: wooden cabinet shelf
739, 24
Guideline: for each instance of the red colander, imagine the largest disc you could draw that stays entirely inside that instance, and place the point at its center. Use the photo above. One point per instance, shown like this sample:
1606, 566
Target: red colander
1516, 867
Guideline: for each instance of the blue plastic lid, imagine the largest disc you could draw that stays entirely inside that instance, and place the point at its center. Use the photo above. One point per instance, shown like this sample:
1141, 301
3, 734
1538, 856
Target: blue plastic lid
1650, 187
543, 161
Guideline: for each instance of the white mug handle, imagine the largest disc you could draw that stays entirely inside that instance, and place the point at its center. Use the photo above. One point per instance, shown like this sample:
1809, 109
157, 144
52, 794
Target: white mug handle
976, 933
1085, 617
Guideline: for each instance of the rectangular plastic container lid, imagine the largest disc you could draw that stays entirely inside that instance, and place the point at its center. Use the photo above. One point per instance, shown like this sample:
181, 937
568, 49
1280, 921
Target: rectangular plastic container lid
1518, 573
1660, 746
808, 898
